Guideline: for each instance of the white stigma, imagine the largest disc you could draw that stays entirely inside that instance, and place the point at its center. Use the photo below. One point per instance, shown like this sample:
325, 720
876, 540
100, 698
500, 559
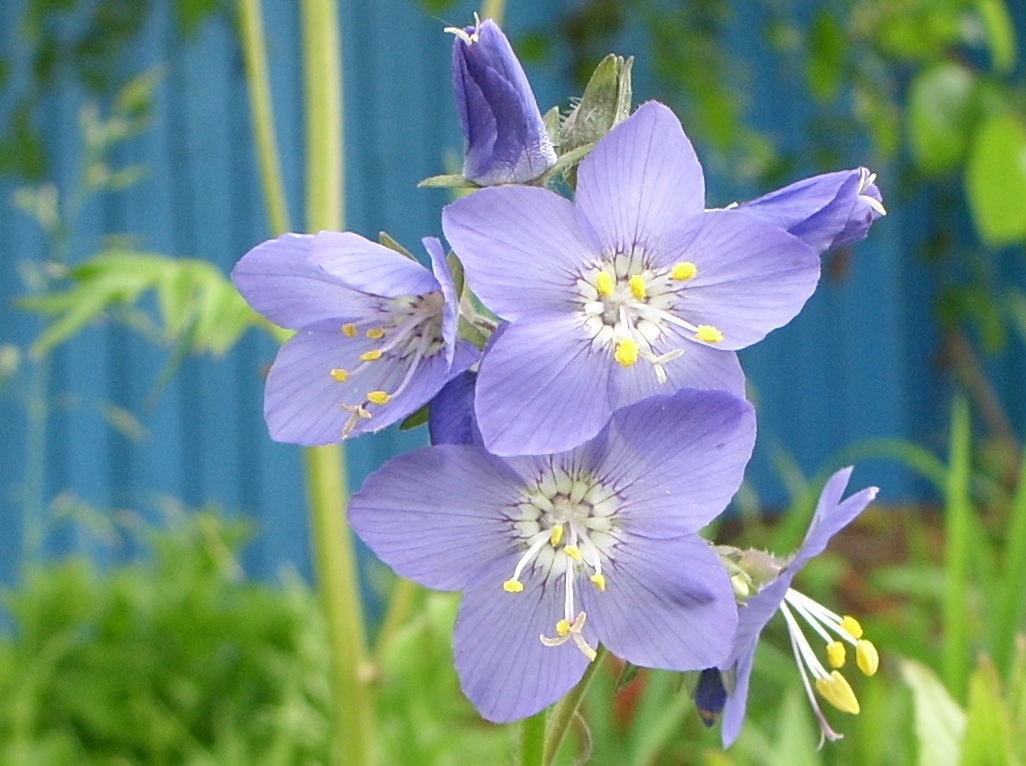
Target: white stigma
567, 525
630, 310
867, 179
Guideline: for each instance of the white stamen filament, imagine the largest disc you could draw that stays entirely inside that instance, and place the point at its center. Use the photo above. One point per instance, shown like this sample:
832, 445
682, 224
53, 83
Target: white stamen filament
797, 638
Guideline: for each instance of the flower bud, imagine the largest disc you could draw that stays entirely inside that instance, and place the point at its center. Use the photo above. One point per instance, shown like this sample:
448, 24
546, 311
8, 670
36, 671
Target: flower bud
505, 134
826, 211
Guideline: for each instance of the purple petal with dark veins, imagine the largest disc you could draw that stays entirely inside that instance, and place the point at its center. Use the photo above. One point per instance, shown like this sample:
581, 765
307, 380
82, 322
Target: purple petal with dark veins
369, 267
521, 248
302, 401
541, 388
752, 277
438, 515
667, 604
279, 281
640, 179
503, 666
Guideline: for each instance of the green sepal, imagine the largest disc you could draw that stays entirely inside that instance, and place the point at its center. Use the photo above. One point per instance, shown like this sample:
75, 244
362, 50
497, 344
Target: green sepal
386, 240
447, 181
606, 102
415, 419
628, 674
456, 269
472, 333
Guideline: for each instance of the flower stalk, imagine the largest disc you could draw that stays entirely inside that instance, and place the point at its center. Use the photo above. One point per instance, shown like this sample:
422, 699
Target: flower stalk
325, 472
565, 710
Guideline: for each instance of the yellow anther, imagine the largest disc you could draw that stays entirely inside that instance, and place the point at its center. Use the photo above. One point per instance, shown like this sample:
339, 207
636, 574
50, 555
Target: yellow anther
370, 356
562, 628
740, 585
349, 330
836, 654
683, 271
627, 352
837, 692
339, 375
866, 656
851, 626
573, 552
637, 285
556, 535
378, 397
376, 333
605, 283
708, 334
513, 586
599, 580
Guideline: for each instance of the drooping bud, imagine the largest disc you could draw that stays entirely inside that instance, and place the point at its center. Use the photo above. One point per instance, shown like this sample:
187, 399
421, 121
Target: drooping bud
505, 135
826, 211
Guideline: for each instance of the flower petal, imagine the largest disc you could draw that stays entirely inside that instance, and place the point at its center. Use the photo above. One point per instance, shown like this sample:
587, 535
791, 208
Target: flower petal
700, 366
436, 515
503, 666
541, 389
370, 267
521, 247
451, 310
737, 700
302, 401
278, 280
451, 412
677, 460
832, 515
752, 277
640, 179
667, 604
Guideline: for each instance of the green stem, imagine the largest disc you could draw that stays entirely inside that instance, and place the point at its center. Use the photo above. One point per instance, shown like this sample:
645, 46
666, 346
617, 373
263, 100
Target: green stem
398, 608
353, 698
262, 112
351, 673
957, 540
532, 739
322, 79
566, 709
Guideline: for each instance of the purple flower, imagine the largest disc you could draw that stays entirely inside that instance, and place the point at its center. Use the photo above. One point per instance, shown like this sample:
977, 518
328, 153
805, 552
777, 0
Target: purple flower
505, 133
375, 332
634, 290
826, 211
831, 516
557, 553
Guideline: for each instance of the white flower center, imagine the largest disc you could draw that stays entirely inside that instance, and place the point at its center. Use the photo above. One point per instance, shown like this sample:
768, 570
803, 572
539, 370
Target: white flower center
626, 305
410, 328
567, 525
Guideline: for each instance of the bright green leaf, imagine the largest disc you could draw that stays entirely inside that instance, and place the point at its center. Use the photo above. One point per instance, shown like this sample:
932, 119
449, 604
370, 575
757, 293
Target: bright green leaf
940, 110
996, 180
939, 721
1000, 33
987, 741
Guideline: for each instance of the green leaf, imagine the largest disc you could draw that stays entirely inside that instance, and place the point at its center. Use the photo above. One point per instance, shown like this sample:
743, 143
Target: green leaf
446, 182
415, 419
996, 180
827, 48
386, 240
987, 741
941, 102
1000, 30
939, 721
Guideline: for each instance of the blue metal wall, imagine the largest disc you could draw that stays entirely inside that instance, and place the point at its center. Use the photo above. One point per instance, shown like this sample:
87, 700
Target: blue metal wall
856, 364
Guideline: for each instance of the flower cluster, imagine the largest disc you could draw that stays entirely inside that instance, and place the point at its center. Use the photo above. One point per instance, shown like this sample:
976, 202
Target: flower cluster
586, 404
